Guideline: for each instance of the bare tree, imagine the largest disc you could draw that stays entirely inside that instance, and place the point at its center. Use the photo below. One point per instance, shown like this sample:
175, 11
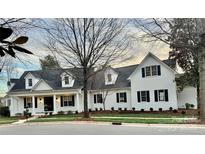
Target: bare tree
86, 44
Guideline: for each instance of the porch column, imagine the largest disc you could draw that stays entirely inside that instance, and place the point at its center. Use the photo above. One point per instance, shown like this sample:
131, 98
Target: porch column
54, 105
33, 105
77, 102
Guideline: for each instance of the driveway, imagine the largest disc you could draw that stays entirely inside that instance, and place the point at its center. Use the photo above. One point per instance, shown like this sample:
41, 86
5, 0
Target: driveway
86, 128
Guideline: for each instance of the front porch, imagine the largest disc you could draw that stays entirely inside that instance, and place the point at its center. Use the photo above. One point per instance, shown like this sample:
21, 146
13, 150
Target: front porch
40, 104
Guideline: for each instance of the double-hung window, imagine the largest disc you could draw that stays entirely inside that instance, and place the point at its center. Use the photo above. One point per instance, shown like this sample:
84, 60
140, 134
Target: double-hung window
109, 77
143, 96
30, 82
161, 95
151, 71
67, 101
98, 98
121, 97
66, 78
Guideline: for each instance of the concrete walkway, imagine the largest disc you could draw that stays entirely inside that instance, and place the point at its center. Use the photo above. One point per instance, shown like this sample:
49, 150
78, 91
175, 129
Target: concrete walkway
24, 120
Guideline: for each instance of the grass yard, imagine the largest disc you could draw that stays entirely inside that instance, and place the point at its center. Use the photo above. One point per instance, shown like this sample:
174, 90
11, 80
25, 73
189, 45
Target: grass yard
124, 118
146, 115
7, 120
146, 121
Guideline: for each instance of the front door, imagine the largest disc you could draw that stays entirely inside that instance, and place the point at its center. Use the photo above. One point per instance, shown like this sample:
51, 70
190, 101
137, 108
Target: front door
48, 103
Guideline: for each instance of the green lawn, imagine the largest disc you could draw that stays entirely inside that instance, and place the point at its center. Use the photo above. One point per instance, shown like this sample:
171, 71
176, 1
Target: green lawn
7, 120
131, 118
147, 115
146, 121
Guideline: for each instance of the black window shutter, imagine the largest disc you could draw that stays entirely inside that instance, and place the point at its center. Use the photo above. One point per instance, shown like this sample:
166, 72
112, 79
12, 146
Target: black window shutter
73, 100
117, 95
159, 69
166, 96
148, 98
36, 104
125, 94
138, 96
156, 95
94, 98
24, 103
61, 101
143, 72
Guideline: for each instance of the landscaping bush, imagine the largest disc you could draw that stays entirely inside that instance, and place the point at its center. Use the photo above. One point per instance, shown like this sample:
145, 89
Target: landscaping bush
101, 109
96, 109
120, 109
26, 113
90, 110
4, 111
160, 109
170, 108
60, 112
175, 111
192, 105
112, 108
76, 112
142, 110
50, 113
133, 109
151, 109
70, 112
19, 114
188, 106
183, 112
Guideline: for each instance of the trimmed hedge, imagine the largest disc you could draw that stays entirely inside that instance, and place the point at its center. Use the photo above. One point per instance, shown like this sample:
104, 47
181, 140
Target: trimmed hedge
4, 111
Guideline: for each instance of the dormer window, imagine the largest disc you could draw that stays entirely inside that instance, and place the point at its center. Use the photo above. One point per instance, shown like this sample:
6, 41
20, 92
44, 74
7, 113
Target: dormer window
66, 80
109, 77
30, 84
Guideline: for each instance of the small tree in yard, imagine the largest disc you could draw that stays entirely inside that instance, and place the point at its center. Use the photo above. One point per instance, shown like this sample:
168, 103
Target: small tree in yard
86, 44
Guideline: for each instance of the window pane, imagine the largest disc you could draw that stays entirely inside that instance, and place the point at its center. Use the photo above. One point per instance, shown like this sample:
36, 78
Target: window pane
30, 82
143, 96
161, 95
99, 98
122, 97
148, 73
66, 80
109, 77
154, 70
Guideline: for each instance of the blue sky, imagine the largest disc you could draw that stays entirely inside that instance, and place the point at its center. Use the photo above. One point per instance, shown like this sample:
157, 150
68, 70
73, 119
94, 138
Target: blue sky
31, 62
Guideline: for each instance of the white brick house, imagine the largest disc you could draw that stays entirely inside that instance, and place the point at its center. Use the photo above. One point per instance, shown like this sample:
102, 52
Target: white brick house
148, 86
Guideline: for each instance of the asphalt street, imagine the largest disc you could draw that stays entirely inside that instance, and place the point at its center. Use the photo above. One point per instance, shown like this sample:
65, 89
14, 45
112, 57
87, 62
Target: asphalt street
98, 129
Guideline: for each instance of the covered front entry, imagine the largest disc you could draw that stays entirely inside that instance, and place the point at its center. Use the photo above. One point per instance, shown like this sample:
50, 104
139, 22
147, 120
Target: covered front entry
48, 103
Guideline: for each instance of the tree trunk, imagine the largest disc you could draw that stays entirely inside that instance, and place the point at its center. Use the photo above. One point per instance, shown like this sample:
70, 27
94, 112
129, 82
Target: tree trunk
85, 90
202, 79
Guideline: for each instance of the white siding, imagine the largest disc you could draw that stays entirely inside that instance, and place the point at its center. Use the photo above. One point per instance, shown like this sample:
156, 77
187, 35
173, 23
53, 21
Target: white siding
34, 81
165, 81
187, 95
114, 76
111, 100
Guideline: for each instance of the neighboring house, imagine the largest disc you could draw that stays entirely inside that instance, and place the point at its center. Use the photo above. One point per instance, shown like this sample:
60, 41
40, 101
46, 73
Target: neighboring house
149, 85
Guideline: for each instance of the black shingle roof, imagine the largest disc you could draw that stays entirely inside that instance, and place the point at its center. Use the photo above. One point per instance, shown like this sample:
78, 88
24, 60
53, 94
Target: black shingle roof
52, 77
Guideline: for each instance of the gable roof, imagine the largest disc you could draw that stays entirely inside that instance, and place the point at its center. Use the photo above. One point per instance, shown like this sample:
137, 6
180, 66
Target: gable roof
39, 83
53, 77
169, 64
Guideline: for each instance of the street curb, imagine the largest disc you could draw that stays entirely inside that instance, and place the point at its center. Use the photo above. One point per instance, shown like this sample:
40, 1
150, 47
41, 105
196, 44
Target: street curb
123, 124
